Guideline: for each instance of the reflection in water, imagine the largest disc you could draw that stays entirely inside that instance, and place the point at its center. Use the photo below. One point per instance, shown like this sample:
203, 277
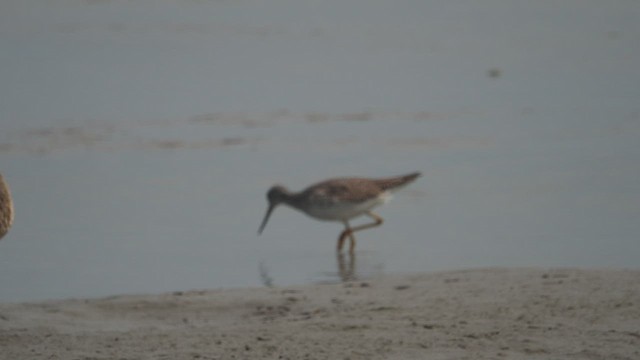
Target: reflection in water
366, 266
348, 269
346, 266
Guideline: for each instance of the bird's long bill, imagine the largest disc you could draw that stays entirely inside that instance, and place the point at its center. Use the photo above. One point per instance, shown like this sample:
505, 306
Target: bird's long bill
266, 218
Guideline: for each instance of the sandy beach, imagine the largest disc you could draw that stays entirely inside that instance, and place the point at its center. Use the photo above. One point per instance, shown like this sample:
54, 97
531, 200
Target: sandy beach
466, 314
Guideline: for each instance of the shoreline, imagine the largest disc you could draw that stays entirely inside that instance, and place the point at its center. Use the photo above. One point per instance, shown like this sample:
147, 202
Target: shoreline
475, 313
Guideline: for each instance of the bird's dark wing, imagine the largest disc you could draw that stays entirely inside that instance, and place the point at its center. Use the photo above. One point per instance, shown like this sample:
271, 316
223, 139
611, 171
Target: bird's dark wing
345, 190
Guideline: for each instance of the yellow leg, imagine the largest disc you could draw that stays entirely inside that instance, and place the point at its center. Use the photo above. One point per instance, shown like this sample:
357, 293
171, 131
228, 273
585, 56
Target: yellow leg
348, 231
346, 267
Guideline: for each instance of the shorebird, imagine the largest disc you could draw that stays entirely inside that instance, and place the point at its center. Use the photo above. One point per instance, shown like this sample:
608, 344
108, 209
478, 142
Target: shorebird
6, 208
340, 199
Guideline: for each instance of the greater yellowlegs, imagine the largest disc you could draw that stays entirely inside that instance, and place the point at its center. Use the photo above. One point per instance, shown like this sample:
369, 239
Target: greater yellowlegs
339, 199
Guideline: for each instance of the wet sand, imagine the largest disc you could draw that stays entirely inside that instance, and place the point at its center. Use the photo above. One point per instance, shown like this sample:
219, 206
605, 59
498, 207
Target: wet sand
467, 314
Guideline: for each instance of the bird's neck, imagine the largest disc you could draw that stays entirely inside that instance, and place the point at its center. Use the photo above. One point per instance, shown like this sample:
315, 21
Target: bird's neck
294, 200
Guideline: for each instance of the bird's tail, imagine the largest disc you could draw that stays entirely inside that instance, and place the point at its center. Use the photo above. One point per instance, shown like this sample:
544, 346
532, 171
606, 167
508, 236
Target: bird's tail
397, 182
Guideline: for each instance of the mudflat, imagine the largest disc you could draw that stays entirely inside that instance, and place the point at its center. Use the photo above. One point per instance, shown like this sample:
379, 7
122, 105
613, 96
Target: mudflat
505, 313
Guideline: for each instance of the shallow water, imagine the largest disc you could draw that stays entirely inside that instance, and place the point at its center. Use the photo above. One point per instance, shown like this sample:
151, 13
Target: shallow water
139, 141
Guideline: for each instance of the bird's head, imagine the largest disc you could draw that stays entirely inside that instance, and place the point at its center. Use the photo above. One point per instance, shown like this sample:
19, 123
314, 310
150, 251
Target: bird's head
275, 196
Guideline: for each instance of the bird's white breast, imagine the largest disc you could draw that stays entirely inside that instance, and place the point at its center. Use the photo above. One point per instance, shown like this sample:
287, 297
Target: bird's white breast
345, 210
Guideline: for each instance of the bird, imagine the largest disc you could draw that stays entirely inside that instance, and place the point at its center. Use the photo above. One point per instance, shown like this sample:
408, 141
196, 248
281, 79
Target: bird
339, 199
6, 208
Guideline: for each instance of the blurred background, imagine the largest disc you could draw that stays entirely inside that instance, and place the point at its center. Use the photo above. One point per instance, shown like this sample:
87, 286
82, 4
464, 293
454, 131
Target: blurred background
139, 138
